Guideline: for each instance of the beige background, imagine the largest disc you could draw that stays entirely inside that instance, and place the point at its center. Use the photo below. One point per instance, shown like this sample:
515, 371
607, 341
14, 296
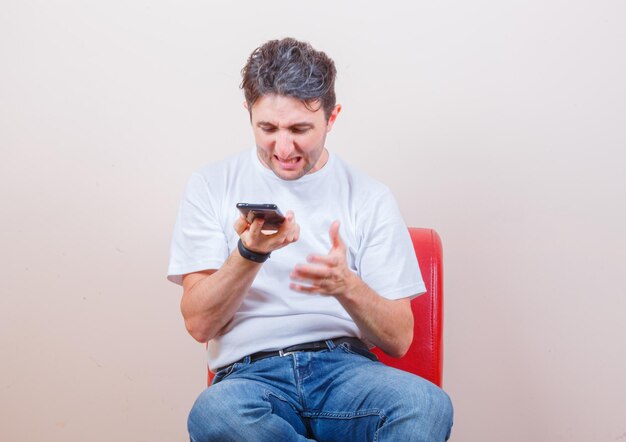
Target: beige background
499, 123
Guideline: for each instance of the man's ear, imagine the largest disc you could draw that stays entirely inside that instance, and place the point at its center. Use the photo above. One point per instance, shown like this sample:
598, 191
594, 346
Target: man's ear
333, 117
246, 107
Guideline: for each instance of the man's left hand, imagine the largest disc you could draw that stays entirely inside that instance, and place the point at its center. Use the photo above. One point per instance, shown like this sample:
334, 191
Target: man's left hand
325, 274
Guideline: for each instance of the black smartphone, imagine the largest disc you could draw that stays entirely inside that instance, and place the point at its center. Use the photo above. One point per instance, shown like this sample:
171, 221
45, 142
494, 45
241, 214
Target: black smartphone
269, 212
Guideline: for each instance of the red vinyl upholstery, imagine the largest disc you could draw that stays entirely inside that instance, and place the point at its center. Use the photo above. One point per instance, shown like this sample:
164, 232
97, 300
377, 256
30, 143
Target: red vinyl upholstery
425, 356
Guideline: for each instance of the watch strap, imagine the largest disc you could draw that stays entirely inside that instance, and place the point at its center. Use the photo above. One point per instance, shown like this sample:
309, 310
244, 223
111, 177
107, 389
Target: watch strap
250, 255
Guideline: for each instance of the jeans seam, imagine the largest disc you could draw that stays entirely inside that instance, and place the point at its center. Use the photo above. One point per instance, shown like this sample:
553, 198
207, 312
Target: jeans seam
345, 414
348, 349
298, 382
269, 393
351, 415
383, 419
224, 373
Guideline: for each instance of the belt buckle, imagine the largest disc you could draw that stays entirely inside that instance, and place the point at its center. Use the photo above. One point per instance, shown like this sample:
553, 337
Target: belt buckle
282, 353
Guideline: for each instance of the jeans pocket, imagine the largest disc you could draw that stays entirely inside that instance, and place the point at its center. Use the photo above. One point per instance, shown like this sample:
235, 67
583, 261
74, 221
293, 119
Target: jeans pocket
224, 373
358, 350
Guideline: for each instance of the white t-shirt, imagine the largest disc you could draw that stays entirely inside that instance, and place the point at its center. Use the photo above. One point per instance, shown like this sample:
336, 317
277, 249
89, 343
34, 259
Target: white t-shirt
272, 316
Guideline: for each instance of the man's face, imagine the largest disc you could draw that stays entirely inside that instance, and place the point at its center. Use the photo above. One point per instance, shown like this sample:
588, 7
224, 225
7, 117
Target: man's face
289, 137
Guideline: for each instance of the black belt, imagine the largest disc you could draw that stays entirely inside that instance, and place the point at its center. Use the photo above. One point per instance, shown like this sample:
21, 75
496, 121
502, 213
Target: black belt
309, 346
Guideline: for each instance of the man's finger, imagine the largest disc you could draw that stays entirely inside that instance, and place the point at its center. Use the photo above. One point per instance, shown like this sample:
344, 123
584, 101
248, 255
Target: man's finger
328, 260
290, 218
296, 235
335, 238
256, 226
310, 272
240, 225
304, 288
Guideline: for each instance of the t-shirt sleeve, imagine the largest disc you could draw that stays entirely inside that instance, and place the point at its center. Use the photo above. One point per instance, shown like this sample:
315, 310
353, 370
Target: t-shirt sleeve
198, 242
386, 258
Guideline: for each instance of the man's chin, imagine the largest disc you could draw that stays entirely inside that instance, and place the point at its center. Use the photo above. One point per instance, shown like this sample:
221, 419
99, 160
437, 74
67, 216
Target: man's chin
289, 174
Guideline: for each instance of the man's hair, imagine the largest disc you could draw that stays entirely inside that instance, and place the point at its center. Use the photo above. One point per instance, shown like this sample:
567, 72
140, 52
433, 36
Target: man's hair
290, 68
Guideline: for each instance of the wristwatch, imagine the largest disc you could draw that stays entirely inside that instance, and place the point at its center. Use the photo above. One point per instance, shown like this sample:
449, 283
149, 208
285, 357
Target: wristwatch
249, 254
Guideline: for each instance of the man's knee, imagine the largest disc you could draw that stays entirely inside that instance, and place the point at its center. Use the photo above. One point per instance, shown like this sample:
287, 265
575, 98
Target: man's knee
443, 409
433, 401
435, 413
216, 414
203, 423
423, 409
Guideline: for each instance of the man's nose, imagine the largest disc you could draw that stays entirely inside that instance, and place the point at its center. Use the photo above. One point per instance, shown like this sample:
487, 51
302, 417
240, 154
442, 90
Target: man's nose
284, 145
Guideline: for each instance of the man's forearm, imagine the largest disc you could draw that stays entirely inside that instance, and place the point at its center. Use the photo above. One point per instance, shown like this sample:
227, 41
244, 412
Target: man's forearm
210, 300
388, 324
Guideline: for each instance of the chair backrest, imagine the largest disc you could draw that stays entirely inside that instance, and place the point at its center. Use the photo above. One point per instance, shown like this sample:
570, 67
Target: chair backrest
425, 356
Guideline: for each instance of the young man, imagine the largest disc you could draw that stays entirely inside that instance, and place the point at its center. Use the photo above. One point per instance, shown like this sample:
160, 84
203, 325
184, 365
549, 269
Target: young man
289, 336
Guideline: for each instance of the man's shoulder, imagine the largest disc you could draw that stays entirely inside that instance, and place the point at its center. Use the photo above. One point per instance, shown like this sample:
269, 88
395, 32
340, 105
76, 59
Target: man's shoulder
360, 181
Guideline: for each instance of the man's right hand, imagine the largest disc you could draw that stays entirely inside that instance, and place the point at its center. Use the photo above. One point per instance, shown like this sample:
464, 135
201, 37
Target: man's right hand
255, 240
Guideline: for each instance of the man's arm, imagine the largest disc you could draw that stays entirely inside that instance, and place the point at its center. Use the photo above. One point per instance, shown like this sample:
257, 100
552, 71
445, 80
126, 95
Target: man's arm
212, 297
386, 323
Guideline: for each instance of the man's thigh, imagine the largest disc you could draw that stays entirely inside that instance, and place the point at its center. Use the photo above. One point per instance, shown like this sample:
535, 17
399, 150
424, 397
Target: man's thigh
366, 400
239, 409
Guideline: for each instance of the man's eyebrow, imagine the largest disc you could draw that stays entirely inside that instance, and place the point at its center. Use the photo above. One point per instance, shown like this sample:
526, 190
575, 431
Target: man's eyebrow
302, 124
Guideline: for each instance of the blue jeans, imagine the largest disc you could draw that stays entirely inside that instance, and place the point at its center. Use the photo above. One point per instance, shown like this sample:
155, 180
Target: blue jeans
340, 394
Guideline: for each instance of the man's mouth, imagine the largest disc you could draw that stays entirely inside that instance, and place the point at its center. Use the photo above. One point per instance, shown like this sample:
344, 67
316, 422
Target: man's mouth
288, 163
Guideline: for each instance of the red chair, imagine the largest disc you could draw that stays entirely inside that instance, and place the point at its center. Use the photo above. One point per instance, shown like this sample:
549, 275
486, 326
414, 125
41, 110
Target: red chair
425, 356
